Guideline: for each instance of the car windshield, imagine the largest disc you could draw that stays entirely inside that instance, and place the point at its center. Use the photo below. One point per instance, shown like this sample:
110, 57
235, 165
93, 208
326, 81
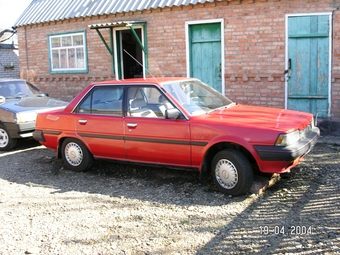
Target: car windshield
196, 97
18, 88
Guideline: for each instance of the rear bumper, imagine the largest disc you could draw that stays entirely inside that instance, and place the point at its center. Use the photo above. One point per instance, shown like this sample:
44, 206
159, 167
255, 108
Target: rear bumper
21, 130
289, 153
39, 136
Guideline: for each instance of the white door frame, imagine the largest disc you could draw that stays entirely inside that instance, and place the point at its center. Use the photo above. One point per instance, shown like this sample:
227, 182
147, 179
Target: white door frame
120, 61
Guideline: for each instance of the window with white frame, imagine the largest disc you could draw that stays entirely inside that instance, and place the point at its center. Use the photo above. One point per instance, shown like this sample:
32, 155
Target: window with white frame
68, 52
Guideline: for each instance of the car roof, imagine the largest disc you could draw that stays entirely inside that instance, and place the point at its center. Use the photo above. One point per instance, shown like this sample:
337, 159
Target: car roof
10, 79
154, 80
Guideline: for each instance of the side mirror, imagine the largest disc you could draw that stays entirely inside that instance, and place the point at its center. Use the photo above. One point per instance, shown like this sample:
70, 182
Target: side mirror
172, 113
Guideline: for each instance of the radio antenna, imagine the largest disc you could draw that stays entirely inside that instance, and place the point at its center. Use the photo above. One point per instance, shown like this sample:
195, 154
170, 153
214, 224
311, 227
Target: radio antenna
139, 63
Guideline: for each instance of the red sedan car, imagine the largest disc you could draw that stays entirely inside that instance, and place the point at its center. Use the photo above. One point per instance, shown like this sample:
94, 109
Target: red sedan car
177, 122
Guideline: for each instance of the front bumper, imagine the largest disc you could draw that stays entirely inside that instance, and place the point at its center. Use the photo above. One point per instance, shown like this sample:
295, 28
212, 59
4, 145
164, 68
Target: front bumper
289, 153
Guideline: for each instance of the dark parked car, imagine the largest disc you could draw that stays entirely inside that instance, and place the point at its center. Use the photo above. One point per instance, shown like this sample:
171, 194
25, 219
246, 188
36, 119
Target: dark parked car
20, 103
177, 122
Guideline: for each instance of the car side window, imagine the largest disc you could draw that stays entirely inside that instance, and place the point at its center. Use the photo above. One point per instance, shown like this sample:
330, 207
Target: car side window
104, 101
146, 101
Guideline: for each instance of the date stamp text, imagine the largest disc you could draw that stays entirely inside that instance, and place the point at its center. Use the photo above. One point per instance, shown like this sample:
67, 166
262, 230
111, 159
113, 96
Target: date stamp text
286, 230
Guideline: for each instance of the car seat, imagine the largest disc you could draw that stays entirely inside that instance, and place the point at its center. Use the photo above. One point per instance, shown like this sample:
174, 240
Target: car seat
138, 109
164, 104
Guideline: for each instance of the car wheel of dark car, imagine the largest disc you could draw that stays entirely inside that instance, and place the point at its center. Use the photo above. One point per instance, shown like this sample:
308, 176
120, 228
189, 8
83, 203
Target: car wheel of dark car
6, 141
232, 172
76, 156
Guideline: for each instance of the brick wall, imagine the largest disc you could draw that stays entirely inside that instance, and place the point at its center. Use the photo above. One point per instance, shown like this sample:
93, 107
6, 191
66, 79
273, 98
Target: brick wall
254, 34
9, 62
335, 89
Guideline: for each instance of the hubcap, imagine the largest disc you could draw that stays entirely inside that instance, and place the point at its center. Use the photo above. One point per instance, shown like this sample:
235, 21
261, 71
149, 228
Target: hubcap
73, 154
3, 138
226, 174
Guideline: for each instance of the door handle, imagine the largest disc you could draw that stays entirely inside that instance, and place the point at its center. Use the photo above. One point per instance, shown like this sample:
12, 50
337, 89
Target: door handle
82, 121
287, 73
289, 67
219, 67
132, 125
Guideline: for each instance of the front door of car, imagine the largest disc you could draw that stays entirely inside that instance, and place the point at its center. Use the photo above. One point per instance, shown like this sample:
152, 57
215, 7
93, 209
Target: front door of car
149, 136
99, 122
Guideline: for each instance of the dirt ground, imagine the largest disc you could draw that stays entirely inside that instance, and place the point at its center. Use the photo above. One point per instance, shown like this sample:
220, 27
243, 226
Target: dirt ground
128, 209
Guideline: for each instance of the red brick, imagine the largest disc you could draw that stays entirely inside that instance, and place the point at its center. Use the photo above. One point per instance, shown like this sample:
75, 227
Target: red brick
254, 33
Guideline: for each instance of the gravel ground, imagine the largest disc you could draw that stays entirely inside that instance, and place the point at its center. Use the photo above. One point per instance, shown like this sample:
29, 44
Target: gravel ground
129, 209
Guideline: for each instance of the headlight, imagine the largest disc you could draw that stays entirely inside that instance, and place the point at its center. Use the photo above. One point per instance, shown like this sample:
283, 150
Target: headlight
26, 117
288, 139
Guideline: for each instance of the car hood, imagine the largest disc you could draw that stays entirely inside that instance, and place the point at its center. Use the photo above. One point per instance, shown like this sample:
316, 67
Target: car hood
32, 104
265, 117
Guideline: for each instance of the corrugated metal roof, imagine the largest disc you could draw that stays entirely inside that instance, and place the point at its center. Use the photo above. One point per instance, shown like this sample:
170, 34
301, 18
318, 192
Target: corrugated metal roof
40, 11
113, 24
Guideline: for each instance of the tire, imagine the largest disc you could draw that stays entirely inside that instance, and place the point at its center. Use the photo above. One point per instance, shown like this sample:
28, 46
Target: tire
6, 141
76, 156
232, 172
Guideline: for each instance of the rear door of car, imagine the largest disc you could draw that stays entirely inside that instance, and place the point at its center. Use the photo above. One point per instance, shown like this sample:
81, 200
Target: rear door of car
99, 121
149, 136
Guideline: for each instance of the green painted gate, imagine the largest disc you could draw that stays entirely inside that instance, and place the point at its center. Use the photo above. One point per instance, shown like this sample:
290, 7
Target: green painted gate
308, 64
205, 53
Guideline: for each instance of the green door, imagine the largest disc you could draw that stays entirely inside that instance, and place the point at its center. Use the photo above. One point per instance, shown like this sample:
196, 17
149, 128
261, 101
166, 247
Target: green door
308, 64
205, 54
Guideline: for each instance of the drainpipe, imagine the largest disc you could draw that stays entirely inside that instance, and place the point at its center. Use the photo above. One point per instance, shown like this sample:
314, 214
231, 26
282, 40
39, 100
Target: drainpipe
27, 64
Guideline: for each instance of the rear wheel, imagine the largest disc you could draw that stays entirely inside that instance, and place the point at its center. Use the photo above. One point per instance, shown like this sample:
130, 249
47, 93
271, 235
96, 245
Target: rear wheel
75, 155
6, 141
232, 172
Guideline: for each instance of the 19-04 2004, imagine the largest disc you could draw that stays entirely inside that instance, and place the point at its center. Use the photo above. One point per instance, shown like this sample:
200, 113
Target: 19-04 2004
286, 230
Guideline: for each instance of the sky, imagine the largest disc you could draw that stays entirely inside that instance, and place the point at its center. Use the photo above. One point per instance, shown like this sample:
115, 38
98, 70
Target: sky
10, 11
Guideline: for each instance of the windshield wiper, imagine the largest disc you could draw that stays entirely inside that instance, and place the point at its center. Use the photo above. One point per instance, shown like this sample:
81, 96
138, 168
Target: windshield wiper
222, 107
17, 97
20, 96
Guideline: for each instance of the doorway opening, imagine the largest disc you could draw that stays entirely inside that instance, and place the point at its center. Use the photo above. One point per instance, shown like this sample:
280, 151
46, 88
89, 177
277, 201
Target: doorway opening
130, 59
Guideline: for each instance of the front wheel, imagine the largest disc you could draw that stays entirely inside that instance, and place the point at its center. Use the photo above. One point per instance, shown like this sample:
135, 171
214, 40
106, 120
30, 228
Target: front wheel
232, 172
6, 141
76, 156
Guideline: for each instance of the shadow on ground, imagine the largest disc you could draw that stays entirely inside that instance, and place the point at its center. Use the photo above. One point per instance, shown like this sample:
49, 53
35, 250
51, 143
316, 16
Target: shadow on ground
297, 216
